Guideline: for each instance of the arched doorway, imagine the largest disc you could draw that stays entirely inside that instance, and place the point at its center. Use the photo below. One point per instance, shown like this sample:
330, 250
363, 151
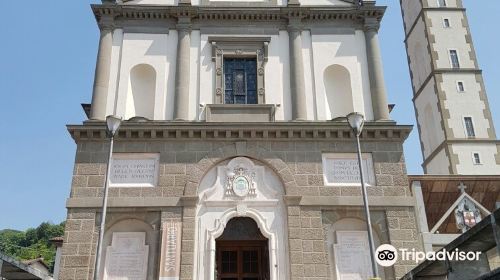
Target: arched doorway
242, 252
221, 213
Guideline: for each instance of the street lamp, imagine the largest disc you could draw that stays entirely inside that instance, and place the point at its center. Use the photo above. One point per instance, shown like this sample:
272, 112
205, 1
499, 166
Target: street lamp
356, 122
112, 126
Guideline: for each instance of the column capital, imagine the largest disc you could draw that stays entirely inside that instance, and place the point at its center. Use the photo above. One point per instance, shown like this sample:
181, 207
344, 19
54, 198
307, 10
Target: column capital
106, 22
295, 21
371, 24
294, 28
184, 23
183, 27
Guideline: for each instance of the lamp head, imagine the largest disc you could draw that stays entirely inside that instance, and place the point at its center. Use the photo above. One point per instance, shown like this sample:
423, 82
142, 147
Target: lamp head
112, 124
356, 121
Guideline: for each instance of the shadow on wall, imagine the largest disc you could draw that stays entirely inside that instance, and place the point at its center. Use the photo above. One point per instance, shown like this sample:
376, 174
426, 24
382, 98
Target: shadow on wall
141, 92
338, 90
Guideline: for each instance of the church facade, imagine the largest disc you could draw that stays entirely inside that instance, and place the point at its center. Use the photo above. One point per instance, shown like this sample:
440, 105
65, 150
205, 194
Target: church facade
235, 160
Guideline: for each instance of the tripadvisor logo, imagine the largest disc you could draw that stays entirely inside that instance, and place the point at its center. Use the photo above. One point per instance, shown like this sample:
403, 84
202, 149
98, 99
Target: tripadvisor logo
387, 255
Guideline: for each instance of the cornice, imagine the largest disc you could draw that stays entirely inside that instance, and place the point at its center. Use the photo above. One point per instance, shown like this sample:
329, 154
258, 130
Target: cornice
268, 14
277, 131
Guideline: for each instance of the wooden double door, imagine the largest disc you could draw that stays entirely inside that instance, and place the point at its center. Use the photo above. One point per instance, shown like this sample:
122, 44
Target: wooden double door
242, 260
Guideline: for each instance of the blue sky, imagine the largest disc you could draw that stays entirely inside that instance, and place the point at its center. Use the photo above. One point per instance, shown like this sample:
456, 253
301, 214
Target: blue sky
48, 51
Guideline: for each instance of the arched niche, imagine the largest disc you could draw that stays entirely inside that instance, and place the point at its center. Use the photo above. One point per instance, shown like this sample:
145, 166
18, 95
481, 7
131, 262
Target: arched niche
338, 90
141, 92
133, 225
218, 204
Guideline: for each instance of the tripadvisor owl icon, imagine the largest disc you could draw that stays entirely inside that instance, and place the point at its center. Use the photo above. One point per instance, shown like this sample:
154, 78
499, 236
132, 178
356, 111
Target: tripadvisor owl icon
386, 255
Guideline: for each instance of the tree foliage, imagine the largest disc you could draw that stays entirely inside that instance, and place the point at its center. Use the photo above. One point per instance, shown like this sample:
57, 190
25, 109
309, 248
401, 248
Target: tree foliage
32, 243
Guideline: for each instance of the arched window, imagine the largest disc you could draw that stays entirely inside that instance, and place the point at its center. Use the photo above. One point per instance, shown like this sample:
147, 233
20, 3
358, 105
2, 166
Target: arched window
141, 92
338, 91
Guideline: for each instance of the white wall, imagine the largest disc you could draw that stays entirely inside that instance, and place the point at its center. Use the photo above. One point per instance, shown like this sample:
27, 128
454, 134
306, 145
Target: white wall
324, 3
152, 2
461, 104
158, 51
487, 153
429, 118
310, 87
439, 165
277, 75
434, 3
450, 38
420, 60
349, 51
198, 2
411, 10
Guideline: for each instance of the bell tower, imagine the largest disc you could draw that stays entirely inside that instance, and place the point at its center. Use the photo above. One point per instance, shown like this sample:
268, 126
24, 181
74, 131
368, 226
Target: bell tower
456, 130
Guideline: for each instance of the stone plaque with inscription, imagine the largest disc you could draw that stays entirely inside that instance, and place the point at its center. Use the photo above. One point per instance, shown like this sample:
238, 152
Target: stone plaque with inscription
170, 262
134, 170
127, 257
352, 255
343, 170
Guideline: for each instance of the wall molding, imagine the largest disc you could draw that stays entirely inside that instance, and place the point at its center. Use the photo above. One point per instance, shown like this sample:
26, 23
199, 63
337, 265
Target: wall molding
277, 131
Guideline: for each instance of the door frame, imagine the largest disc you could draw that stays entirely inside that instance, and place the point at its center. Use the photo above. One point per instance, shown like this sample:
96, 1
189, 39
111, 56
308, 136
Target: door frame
240, 246
219, 230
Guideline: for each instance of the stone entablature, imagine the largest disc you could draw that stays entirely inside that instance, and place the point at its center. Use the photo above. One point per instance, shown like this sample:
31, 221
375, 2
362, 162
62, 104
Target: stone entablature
298, 131
255, 14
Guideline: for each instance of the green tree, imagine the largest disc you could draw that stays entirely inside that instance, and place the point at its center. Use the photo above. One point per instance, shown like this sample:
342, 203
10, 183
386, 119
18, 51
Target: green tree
32, 243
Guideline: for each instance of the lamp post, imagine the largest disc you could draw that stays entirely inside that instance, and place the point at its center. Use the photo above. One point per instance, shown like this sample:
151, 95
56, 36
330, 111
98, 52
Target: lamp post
356, 122
112, 125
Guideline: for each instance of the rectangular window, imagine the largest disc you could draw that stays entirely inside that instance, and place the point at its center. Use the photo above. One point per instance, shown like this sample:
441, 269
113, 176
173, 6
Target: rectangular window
469, 127
442, 3
476, 158
446, 23
454, 59
240, 81
460, 86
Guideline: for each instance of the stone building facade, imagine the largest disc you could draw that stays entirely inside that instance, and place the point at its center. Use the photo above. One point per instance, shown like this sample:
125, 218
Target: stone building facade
456, 129
228, 165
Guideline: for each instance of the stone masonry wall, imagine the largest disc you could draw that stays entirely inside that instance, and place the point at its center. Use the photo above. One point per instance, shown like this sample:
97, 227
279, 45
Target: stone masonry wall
182, 166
